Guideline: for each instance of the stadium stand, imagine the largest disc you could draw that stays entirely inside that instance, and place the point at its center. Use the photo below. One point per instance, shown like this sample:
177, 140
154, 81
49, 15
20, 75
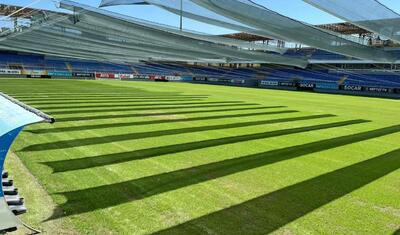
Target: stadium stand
326, 78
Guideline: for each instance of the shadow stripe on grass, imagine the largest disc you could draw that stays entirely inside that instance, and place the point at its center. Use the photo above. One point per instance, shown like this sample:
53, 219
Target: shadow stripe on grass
106, 94
267, 213
191, 129
105, 98
110, 101
162, 121
81, 201
145, 108
103, 160
100, 117
154, 122
77, 108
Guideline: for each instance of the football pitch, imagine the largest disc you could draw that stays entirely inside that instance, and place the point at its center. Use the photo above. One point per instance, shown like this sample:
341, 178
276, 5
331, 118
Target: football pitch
176, 158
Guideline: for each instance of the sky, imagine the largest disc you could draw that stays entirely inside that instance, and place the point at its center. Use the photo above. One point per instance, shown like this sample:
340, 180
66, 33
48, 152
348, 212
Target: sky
296, 9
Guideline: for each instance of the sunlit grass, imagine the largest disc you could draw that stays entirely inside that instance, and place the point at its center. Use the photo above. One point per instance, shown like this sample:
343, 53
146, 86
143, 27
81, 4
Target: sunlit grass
141, 157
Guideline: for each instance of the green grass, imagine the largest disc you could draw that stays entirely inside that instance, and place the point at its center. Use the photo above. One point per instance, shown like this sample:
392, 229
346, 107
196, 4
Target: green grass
174, 158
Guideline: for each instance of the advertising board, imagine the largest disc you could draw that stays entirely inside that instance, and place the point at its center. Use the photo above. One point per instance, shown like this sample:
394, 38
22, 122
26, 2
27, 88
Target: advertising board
10, 71
328, 86
269, 83
352, 88
59, 74
379, 89
105, 75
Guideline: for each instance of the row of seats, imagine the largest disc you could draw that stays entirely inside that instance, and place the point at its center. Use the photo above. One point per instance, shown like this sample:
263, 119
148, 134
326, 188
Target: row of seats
11, 195
366, 78
389, 79
314, 54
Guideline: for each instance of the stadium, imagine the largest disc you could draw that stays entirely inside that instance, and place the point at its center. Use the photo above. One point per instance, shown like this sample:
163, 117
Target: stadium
200, 117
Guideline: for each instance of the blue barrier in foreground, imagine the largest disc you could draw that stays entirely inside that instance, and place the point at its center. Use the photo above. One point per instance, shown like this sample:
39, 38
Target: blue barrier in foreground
14, 116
